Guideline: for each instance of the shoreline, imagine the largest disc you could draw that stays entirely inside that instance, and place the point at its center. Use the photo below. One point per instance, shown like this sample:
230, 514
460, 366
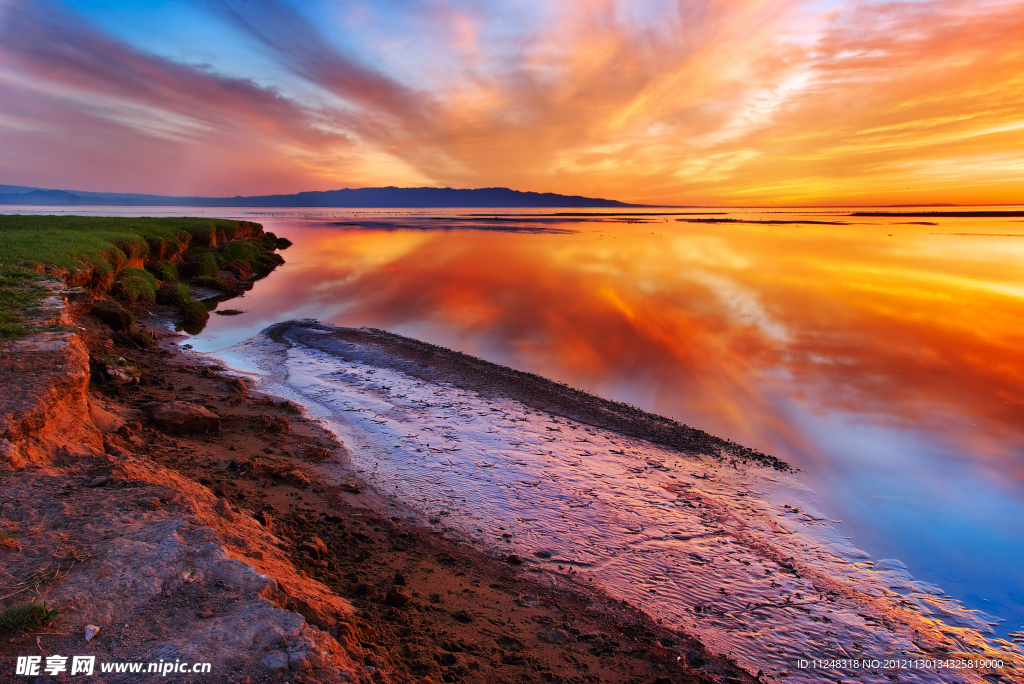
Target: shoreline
296, 579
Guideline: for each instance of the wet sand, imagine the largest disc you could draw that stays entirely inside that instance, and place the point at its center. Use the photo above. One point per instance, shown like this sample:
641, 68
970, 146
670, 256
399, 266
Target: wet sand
713, 540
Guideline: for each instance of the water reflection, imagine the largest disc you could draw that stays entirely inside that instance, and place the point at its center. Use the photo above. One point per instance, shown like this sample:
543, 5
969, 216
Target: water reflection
881, 357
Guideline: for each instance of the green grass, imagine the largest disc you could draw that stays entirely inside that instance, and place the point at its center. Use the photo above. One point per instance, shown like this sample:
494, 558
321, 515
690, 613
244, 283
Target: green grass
19, 292
136, 285
103, 242
165, 271
202, 263
240, 249
27, 617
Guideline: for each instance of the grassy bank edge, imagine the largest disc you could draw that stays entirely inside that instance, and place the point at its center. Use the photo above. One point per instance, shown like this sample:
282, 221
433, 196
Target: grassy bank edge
135, 259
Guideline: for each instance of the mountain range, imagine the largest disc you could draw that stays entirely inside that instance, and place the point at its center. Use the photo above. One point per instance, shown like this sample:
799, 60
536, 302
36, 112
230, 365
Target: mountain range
389, 197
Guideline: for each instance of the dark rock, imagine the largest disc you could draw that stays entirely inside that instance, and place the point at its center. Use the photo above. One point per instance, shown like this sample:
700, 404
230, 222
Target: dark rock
399, 579
509, 643
553, 636
462, 616
695, 659
180, 416
513, 559
276, 662
113, 314
397, 596
298, 662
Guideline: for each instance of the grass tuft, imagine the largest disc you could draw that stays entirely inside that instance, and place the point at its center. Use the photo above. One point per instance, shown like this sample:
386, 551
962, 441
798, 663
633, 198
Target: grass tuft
195, 313
165, 271
27, 617
136, 285
242, 250
202, 264
174, 294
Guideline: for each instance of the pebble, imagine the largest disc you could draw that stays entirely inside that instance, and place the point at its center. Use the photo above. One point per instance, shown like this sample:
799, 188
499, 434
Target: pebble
553, 636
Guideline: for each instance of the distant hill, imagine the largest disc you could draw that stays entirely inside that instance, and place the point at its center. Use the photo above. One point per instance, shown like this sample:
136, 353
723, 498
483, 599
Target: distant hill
16, 189
390, 197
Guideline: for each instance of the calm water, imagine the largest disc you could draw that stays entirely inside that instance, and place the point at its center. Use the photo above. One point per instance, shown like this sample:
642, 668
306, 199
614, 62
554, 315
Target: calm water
882, 357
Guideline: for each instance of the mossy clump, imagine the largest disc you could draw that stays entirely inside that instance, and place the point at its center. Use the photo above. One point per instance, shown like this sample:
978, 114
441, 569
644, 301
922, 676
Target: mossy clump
136, 285
27, 617
195, 313
240, 249
173, 294
165, 271
202, 263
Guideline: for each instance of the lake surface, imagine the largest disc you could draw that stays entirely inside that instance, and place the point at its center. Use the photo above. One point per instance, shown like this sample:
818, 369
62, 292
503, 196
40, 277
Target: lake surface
879, 355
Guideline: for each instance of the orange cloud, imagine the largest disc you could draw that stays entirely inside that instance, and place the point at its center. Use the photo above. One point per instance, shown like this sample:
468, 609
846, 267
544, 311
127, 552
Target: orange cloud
723, 101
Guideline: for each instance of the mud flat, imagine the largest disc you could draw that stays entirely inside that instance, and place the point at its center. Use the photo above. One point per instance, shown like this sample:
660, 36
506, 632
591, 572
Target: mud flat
712, 542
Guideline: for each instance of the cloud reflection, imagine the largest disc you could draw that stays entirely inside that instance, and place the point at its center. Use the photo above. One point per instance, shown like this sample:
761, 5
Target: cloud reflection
732, 329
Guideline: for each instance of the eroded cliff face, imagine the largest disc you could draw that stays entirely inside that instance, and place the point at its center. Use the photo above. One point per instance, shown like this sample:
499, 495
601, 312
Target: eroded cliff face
44, 407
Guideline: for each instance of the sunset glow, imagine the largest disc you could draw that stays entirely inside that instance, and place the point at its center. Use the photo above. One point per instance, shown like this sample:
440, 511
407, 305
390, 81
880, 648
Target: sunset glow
709, 101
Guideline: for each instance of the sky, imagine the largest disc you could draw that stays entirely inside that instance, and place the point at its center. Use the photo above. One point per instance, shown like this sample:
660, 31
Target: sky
730, 102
